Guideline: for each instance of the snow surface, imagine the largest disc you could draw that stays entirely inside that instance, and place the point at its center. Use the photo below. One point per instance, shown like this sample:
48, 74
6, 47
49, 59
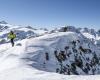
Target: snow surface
26, 60
14, 64
89, 35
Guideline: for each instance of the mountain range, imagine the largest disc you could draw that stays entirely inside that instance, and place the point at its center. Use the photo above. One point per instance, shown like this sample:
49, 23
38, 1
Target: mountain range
42, 54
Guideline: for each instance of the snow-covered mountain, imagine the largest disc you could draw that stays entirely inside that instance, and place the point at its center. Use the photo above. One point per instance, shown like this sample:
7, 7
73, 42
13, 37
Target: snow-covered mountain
91, 34
40, 54
21, 32
64, 52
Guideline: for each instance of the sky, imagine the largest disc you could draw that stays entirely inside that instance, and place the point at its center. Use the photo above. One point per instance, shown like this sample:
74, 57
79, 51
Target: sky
51, 13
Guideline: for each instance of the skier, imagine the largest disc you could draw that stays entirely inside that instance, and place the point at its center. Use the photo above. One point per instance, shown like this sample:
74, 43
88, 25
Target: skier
12, 36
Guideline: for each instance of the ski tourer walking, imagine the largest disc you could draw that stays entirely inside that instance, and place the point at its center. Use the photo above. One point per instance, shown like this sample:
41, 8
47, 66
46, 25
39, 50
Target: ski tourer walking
12, 36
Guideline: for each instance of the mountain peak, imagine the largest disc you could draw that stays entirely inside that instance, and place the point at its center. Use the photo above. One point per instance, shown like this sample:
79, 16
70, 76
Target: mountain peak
3, 22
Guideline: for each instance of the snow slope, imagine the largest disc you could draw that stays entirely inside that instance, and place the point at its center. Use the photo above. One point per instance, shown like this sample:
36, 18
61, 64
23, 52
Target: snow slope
40, 54
80, 56
27, 60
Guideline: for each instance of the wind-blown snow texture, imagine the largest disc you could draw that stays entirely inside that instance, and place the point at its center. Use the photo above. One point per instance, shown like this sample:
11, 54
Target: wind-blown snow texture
40, 54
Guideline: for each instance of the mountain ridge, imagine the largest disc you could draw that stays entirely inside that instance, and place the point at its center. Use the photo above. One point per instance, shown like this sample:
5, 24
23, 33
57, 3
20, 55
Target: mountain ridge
43, 53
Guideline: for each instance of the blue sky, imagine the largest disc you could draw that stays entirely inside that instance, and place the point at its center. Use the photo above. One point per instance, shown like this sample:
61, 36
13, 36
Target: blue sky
51, 13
